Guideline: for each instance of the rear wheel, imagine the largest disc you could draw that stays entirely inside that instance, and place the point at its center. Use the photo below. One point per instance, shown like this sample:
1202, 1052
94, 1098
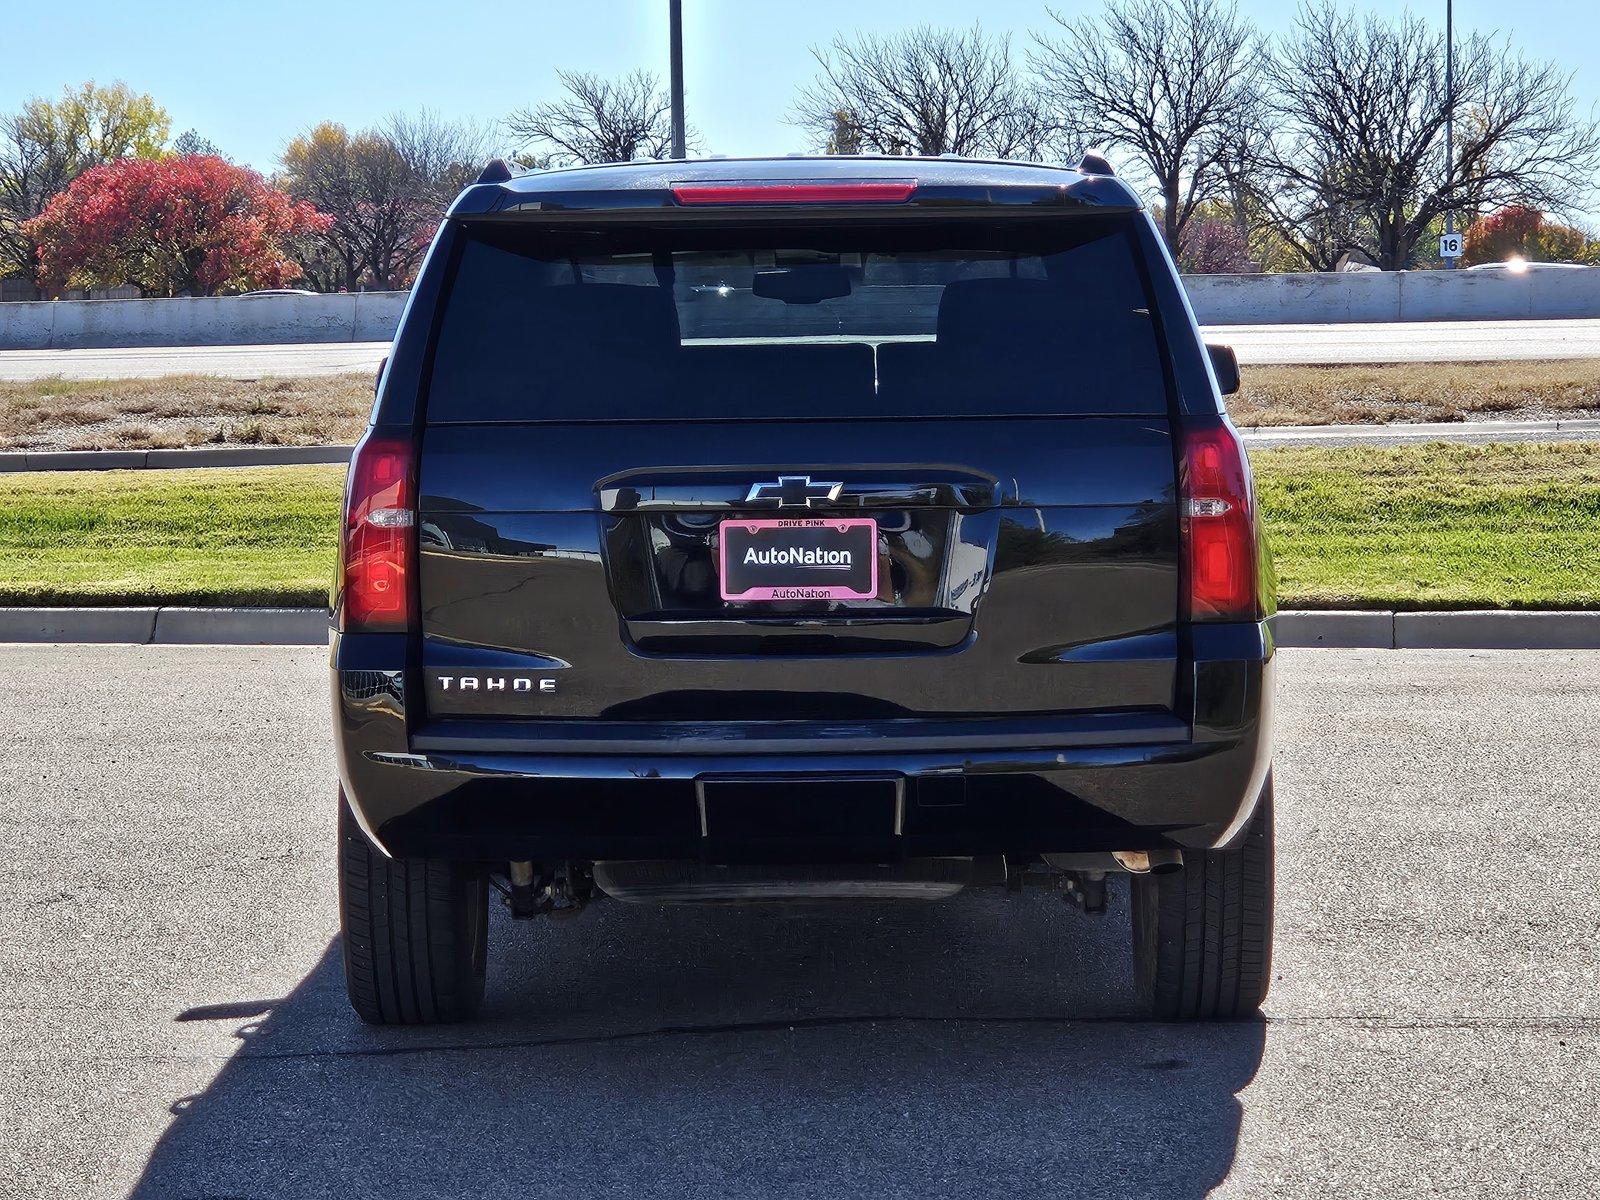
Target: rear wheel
416, 933
1202, 936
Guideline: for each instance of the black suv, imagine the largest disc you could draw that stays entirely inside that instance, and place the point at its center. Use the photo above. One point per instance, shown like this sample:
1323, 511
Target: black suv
798, 529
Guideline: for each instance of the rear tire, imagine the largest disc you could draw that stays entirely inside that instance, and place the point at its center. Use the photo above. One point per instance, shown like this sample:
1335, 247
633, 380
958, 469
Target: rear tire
416, 933
1202, 936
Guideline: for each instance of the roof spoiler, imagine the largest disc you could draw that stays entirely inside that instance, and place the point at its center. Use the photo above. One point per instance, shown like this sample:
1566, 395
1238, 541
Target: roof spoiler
495, 172
1095, 164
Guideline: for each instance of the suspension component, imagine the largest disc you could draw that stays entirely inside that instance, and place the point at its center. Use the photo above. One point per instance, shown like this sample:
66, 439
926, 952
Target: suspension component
558, 890
526, 898
1087, 890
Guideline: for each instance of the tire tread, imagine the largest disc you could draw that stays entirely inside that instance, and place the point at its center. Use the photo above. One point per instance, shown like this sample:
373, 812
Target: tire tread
1202, 936
415, 933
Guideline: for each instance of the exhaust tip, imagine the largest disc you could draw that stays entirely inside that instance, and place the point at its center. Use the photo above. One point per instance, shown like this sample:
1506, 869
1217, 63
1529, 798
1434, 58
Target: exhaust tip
1149, 862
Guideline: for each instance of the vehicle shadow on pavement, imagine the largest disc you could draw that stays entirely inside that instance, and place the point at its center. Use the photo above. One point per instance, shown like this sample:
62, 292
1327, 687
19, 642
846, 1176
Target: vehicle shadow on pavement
983, 1045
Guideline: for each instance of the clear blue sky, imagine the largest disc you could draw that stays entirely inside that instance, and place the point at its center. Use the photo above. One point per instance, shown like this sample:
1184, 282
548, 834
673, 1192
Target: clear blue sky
249, 75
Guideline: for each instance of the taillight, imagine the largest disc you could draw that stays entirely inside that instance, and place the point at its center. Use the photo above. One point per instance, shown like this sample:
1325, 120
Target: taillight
1219, 526
863, 191
379, 547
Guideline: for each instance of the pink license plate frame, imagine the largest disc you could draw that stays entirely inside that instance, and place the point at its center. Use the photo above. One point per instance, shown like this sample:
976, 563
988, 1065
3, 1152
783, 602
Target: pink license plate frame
786, 592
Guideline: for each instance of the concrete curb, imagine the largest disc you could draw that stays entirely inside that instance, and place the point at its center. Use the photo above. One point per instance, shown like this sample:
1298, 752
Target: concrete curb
1581, 429
136, 625
14, 461
1474, 629
1493, 629
168, 626
241, 626
1335, 630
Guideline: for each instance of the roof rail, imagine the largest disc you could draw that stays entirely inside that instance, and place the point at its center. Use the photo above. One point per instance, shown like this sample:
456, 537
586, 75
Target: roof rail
495, 172
1095, 164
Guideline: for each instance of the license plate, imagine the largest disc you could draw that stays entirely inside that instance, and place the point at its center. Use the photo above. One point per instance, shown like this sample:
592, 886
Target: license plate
792, 812
800, 558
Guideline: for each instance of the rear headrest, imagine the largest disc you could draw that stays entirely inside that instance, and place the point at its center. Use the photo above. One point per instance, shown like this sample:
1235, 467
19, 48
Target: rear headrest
999, 313
605, 315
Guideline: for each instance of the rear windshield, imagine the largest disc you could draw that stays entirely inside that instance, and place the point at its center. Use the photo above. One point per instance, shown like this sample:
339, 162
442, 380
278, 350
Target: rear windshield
949, 319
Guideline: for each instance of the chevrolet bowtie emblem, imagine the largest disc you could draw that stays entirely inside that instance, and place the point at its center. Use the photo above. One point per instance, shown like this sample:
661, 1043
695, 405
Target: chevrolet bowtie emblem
793, 491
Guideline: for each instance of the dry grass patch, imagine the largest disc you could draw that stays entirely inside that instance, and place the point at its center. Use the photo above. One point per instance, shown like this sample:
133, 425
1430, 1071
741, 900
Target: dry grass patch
200, 410
181, 410
1410, 392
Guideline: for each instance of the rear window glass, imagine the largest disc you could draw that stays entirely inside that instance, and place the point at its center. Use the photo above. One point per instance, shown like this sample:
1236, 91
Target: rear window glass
948, 319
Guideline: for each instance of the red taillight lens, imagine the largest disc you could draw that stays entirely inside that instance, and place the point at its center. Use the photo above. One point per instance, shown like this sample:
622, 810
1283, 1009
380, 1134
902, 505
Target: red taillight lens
379, 536
1219, 526
875, 191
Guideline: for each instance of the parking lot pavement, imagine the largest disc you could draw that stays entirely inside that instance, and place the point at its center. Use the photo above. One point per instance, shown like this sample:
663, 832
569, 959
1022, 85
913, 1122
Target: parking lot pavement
172, 1022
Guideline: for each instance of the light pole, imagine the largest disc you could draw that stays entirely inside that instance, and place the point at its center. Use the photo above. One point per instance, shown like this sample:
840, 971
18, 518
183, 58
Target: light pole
675, 15
1449, 122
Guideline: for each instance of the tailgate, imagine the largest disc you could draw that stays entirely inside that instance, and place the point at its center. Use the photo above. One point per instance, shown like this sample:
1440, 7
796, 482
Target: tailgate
1023, 567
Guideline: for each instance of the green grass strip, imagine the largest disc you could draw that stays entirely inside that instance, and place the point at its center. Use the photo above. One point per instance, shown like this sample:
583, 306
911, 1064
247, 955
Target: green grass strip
256, 536
1413, 527
1435, 526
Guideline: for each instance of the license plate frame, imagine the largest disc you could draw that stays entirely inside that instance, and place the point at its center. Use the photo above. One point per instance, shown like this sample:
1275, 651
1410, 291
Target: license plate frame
819, 578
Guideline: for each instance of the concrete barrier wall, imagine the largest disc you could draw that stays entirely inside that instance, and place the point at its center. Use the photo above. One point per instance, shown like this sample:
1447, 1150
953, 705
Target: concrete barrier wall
1394, 296
201, 321
1218, 300
1294, 299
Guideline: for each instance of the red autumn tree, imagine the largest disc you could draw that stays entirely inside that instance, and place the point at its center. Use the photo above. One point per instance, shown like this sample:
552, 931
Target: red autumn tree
192, 224
1518, 230
1498, 236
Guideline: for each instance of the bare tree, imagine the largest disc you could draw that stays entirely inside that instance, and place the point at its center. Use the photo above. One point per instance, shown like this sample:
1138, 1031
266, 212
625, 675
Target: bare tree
386, 188
1361, 105
1281, 229
1170, 81
442, 156
1316, 228
599, 121
317, 167
1243, 154
923, 91
31, 171
361, 179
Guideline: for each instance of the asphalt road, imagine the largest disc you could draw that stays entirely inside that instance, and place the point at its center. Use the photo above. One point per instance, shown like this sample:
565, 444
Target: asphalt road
1410, 341
235, 362
1417, 341
172, 1021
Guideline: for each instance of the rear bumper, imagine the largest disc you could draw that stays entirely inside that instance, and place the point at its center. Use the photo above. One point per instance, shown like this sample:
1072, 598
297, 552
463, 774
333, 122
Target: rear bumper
1100, 782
